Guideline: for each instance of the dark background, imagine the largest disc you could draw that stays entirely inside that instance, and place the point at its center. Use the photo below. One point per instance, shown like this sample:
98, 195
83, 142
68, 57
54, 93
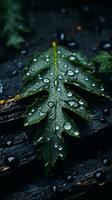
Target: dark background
24, 179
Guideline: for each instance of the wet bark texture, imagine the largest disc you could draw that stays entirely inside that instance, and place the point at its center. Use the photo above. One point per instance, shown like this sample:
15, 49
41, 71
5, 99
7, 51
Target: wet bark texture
88, 170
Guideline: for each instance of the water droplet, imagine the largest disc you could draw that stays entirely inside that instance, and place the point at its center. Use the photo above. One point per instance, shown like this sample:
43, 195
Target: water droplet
65, 65
29, 114
81, 102
76, 133
9, 143
86, 79
51, 74
32, 110
24, 52
57, 128
72, 58
99, 176
60, 77
81, 107
47, 59
14, 73
55, 145
27, 74
54, 189
67, 126
60, 148
41, 113
46, 80
76, 70
73, 104
50, 104
69, 94
59, 62
93, 84
102, 88
106, 161
70, 72
40, 78
40, 139
35, 59
59, 89
12, 161
47, 139
59, 52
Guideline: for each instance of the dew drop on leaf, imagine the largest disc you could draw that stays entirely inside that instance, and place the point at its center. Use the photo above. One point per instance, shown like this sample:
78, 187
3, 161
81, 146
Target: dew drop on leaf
93, 84
27, 74
67, 126
69, 94
71, 58
60, 77
86, 79
65, 65
60, 148
57, 128
59, 52
46, 80
102, 88
59, 89
81, 102
76, 70
70, 72
76, 133
47, 59
33, 110
55, 145
35, 60
81, 107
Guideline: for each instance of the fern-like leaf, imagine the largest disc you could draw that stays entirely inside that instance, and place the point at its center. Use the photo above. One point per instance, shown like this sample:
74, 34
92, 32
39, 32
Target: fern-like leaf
103, 60
54, 71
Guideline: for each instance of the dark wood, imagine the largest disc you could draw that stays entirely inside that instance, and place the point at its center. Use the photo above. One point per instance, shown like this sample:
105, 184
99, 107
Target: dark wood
77, 176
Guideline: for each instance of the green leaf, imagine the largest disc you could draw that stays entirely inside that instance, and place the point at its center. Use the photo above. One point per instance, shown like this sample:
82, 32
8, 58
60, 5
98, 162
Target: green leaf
103, 60
53, 72
12, 23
